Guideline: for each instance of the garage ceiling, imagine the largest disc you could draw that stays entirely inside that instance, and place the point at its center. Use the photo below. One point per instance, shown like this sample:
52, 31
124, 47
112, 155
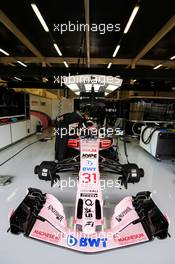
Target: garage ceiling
149, 42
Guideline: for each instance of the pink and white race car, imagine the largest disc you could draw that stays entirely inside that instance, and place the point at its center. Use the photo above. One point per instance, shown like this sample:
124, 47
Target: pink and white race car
136, 219
107, 161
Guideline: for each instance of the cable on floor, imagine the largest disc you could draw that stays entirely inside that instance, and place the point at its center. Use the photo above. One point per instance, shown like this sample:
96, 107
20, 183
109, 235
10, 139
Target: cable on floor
4, 162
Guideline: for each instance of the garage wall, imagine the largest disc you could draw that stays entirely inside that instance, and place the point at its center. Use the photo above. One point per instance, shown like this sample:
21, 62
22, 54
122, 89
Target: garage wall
52, 107
11, 133
5, 135
62, 106
41, 104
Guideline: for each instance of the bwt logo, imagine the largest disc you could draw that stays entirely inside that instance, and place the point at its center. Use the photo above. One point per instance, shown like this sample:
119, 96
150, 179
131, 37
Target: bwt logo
89, 169
87, 242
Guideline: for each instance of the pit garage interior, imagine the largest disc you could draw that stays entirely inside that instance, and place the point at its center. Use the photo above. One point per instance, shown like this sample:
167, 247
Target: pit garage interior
122, 73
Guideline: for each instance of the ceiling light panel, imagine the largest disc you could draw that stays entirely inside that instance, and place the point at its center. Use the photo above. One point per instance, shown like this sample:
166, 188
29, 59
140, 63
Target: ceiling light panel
39, 16
73, 87
131, 19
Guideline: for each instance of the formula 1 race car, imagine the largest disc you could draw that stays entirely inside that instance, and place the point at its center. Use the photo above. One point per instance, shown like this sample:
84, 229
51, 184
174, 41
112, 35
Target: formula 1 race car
129, 172
135, 219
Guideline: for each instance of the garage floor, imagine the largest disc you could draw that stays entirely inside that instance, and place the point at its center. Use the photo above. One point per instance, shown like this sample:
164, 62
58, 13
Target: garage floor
159, 178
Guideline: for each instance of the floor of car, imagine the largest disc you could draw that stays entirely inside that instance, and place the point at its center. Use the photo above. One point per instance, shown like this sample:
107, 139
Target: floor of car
159, 179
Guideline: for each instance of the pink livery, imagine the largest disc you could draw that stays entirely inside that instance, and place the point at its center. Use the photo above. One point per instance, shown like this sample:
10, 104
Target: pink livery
136, 219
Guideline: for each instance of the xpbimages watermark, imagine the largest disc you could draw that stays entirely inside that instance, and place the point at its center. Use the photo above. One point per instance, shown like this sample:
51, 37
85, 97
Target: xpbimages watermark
103, 185
92, 131
101, 28
87, 79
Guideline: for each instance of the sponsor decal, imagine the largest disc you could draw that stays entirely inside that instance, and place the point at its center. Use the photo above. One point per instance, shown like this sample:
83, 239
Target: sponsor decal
134, 173
88, 150
88, 212
86, 242
120, 216
89, 191
89, 223
89, 163
56, 213
46, 235
89, 202
89, 156
44, 172
131, 237
89, 169
88, 195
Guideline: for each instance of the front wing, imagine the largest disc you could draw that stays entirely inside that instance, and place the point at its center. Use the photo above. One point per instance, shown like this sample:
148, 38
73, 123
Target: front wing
135, 220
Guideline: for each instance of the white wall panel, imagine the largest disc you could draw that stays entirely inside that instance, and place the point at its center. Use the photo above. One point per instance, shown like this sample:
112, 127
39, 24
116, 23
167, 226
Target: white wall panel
5, 136
18, 131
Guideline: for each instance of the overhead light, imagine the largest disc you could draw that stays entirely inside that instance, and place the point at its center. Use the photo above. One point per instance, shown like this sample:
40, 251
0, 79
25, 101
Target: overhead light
88, 87
96, 87
116, 50
18, 79
23, 64
133, 14
65, 63
38, 14
109, 65
57, 49
5, 52
44, 79
111, 87
172, 58
77, 93
106, 93
158, 66
73, 87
